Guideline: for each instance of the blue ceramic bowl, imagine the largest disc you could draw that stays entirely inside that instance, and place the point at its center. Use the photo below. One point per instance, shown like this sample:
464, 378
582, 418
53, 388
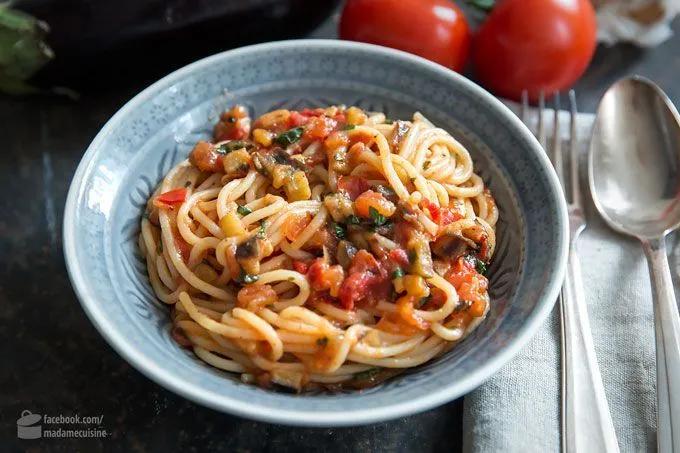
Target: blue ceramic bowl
157, 129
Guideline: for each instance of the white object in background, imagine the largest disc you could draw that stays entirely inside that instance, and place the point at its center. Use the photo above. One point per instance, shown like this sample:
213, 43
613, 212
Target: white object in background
642, 22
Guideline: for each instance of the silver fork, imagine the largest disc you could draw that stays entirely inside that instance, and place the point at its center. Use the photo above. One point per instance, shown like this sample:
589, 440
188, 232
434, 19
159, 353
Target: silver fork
586, 421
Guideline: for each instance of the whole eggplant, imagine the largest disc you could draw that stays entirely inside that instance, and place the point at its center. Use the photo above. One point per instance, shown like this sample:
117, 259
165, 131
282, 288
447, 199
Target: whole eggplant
89, 41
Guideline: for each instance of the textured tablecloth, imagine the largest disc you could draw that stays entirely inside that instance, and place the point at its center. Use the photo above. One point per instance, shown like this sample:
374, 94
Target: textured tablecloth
518, 409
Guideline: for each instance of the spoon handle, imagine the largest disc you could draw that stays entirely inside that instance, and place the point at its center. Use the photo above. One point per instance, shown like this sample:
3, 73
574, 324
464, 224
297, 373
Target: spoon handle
667, 329
586, 421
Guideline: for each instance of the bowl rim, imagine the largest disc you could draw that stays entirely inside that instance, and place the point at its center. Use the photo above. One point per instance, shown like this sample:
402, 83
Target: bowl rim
301, 417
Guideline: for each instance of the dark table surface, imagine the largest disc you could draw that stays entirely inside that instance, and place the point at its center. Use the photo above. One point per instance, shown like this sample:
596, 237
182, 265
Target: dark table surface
54, 362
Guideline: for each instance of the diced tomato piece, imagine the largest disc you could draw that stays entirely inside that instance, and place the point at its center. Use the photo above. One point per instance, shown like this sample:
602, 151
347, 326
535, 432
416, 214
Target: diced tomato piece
367, 280
297, 119
353, 185
400, 257
300, 266
433, 209
448, 215
341, 118
171, 198
440, 215
323, 277
462, 271
319, 127
312, 112
355, 288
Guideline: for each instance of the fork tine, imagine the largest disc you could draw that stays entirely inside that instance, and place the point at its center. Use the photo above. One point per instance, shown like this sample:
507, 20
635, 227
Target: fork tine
525, 107
541, 125
557, 158
573, 150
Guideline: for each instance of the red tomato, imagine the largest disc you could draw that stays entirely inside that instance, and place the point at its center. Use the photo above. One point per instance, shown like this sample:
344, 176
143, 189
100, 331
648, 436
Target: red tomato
300, 266
434, 29
353, 185
171, 198
534, 45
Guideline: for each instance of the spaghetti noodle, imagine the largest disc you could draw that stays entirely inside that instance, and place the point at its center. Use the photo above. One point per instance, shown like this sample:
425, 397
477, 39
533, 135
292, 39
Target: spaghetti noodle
321, 247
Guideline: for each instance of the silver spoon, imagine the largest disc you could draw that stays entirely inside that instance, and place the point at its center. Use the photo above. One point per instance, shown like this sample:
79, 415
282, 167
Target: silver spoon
634, 173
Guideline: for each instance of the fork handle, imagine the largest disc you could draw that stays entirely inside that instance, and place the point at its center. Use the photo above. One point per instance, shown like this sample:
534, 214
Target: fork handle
586, 421
667, 329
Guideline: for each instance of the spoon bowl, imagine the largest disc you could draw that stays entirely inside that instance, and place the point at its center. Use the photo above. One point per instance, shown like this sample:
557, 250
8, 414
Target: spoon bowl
634, 173
634, 166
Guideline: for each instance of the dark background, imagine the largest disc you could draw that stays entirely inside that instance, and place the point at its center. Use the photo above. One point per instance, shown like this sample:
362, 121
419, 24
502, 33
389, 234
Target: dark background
53, 360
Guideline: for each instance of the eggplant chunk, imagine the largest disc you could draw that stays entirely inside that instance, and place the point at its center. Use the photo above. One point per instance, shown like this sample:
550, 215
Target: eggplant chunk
419, 255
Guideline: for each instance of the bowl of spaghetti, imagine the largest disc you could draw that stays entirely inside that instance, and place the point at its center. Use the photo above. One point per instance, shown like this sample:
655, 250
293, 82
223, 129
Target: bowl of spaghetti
317, 233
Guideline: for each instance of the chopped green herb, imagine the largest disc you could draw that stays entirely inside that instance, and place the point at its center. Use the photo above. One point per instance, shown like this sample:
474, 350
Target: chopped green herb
367, 375
378, 218
322, 341
247, 278
262, 230
485, 5
423, 301
353, 220
480, 266
289, 137
398, 273
159, 248
426, 165
226, 148
339, 231
243, 210
290, 279
348, 127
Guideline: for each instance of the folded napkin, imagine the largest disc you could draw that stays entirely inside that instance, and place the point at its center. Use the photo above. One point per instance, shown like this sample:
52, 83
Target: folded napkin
518, 409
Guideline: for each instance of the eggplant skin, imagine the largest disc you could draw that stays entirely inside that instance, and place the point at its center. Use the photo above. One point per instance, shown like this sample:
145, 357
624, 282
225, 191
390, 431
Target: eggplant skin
90, 38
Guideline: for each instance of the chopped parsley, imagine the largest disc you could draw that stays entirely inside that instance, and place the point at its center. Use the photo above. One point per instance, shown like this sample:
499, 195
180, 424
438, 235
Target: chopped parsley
367, 375
159, 248
378, 218
322, 341
398, 273
480, 266
226, 148
348, 127
339, 231
289, 137
247, 278
243, 210
262, 230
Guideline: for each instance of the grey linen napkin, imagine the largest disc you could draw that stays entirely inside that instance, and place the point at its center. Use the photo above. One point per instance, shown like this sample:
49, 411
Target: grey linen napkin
518, 409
